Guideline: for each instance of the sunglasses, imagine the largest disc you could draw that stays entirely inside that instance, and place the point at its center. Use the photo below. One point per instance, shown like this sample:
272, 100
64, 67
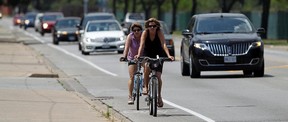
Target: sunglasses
152, 26
136, 30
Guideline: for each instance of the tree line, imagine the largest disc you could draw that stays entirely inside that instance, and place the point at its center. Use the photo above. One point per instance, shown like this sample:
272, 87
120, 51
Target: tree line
154, 8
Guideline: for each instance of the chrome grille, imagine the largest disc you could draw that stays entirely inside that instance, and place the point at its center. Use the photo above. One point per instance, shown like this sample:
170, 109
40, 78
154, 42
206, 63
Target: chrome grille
231, 49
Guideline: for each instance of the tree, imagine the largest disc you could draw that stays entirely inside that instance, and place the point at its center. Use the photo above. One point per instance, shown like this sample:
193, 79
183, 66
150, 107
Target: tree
174, 11
194, 7
134, 5
159, 4
226, 5
147, 7
265, 16
126, 6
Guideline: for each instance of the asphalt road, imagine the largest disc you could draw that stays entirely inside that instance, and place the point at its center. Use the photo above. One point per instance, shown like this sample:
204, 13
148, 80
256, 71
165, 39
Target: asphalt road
216, 96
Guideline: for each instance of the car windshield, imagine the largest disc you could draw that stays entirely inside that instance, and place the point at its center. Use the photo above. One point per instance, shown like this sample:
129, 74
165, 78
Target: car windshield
67, 23
164, 28
223, 25
101, 17
103, 26
136, 17
51, 17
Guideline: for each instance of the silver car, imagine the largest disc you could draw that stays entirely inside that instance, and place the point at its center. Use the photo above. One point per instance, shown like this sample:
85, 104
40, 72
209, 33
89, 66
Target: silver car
102, 36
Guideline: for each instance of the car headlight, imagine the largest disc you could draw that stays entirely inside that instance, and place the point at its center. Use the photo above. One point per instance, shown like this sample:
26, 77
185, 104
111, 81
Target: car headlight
200, 46
87, 39
122, 38
45, 25
256, 44
27, 22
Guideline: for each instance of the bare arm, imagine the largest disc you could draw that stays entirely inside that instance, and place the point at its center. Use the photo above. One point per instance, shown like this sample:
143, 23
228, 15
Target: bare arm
142, 43
163, 44
127, 46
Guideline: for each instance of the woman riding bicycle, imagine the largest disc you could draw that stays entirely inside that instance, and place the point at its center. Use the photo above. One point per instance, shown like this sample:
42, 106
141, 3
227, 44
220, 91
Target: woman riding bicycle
152, 44
131, 49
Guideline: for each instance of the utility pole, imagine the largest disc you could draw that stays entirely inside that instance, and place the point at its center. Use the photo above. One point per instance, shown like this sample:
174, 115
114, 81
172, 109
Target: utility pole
85, 8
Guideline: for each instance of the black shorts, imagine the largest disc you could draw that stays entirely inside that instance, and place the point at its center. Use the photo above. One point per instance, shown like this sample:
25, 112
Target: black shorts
131, 62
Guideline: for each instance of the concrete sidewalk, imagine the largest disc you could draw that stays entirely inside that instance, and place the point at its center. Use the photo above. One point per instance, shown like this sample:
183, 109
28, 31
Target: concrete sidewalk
31, 92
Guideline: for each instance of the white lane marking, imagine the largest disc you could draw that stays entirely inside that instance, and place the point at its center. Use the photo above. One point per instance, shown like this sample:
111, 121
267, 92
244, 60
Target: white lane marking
113, 74
189, 111
73, 55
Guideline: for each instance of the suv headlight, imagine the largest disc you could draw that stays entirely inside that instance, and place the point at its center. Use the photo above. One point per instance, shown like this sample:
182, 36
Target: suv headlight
256, 44
200, 46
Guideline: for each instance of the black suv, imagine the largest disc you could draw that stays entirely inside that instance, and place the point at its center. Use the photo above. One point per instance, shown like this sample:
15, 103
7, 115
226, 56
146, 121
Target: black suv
221, 41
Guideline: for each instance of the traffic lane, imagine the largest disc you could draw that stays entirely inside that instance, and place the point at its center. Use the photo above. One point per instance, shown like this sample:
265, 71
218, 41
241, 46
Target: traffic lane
204, 84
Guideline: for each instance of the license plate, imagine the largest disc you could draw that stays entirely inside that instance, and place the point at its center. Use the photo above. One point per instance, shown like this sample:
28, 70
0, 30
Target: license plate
71, 38
105, 46
230, 59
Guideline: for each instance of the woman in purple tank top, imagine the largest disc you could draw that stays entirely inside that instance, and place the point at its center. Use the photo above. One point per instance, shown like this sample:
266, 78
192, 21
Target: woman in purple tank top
131, 49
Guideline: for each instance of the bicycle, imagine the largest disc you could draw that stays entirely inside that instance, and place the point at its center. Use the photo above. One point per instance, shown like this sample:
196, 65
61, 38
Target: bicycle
138, 80
152, 98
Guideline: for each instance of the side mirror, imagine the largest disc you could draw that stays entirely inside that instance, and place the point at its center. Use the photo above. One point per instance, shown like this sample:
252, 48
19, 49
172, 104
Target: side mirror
186, 33
260, 30
81, 31
41, 19
78, 26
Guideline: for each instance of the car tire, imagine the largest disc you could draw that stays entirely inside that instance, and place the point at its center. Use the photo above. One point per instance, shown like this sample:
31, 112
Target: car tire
194, 73
42, 33
85, 53
247, 72
79, 47
184, 67
260, 71
119, 51
55, 41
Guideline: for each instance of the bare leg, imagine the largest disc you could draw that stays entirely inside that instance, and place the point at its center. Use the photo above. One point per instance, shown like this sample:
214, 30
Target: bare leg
146, 78
132, 69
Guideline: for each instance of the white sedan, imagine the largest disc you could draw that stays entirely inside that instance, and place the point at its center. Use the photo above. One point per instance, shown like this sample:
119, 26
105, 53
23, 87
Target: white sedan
102, 36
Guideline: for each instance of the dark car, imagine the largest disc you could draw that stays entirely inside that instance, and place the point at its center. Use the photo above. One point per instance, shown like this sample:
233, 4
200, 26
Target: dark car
219, 42
48, 20
93, 16
65, 29
29, 20
17, 19
165, 29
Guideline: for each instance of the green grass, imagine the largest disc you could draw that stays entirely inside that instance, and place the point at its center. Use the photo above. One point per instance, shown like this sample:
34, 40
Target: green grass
275, 42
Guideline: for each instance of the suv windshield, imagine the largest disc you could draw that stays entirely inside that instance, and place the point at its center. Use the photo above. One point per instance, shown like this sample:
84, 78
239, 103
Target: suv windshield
223, 25
51, 17
67, 23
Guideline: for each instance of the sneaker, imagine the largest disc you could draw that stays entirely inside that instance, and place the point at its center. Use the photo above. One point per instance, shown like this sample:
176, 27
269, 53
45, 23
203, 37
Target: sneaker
130, 101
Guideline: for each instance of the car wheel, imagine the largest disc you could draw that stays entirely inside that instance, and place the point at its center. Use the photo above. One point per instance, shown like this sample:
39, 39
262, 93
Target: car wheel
184, 67
247, 72
55, 41
85, 53
79, 46
260, 71
194, 73
42, 33
119, 51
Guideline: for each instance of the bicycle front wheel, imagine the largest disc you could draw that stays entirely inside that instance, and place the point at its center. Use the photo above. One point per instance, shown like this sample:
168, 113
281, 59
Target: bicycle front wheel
137, 91
154, 92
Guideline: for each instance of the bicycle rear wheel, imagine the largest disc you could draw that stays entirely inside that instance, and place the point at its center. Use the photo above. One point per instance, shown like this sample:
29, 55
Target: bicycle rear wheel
137, 92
